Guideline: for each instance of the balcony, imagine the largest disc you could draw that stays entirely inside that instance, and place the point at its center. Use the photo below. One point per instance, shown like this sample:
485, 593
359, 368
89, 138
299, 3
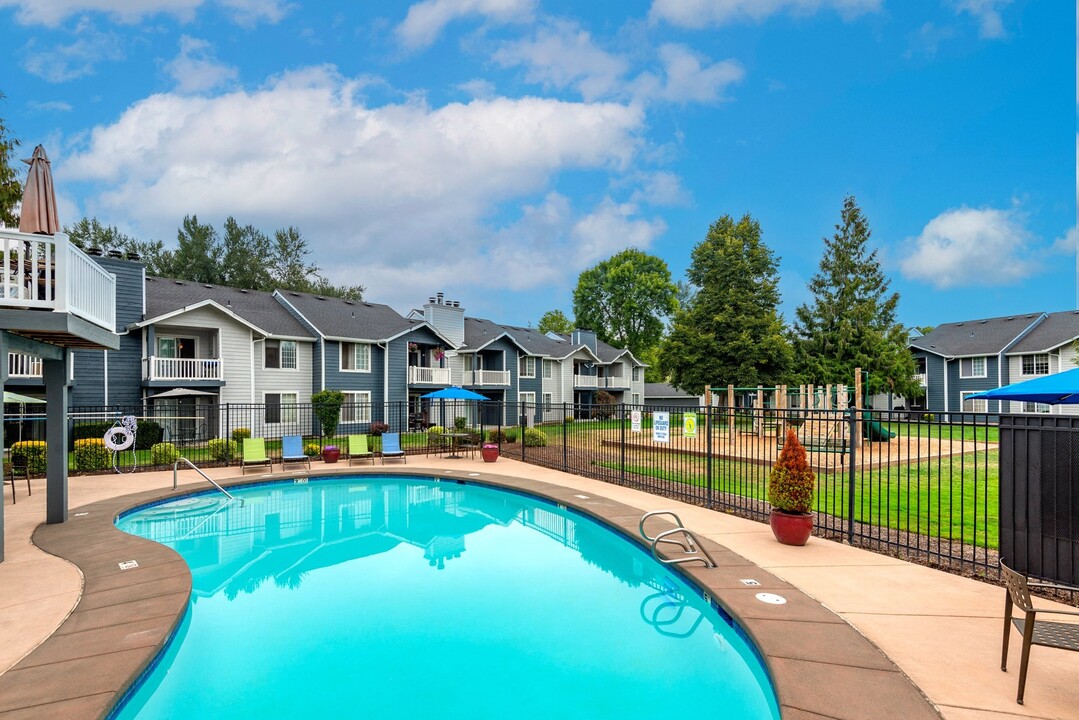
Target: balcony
615, 381
418, 375
40, 272
585, 381
182, 369
21, 365
920, 379
486, 377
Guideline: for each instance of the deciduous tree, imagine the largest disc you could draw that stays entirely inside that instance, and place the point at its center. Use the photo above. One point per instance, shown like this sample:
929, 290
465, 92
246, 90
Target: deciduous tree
10, 185
555, 321
731, 330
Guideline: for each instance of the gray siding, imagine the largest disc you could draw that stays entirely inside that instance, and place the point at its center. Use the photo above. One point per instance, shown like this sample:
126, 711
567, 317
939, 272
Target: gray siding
348, 381
957, 385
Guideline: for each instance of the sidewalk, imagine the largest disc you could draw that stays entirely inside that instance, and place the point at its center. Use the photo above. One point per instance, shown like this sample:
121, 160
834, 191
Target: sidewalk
943, 631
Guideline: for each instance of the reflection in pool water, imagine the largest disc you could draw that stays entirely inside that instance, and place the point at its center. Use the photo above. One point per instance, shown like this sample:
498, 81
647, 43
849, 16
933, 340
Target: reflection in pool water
410, 598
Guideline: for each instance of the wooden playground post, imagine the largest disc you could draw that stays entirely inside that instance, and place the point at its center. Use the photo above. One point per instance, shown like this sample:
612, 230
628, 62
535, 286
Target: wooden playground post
759, 414
856, 441
730, 411
828, 396
708, 413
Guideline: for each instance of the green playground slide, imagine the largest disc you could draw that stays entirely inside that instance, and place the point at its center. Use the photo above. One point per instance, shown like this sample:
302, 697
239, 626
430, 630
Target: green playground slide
874, 431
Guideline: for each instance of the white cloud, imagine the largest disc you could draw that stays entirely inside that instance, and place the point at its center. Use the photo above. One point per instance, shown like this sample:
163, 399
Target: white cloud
926, 40
386, 195
478, 88
563, 55
659, 188
688, 77
50, 106
707, 13
196, 69
60, 63
53, 12
1067, 244
987, 13
426, 20
970, 247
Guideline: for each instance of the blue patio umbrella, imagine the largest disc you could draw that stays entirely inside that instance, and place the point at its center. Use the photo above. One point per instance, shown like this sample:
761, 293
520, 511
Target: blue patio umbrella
1059, 389
453, 392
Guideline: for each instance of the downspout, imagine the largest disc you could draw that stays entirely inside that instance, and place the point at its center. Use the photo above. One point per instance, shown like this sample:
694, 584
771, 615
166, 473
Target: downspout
105, 372
251, 334
385, 378
946, 403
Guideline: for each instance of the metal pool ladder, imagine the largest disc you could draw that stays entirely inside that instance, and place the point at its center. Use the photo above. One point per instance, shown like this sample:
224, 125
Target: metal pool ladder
194, 467
690, 545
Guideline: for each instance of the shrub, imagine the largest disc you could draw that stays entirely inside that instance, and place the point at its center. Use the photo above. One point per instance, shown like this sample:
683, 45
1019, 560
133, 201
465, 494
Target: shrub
511, 435
240, 434
460, 422
31, 453
495, 436
535, 438
604, 407
91, 454
569, 419
222, 449
147, 434
928, 417
312, 449
327, 404
791, 482
164, 454
377, 428
435, 430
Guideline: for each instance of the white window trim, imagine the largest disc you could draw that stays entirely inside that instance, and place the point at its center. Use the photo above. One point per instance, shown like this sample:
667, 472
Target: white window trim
281, 406
985, 367
531, 397
548, 400
548, 369
963, 402
279, 354
1034, 374
172, 336
363, 403
526, 358
341, 357
1040, 408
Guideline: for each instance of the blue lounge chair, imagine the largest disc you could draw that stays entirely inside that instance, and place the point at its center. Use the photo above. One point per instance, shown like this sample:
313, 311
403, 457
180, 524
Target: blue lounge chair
292, 451
391, 446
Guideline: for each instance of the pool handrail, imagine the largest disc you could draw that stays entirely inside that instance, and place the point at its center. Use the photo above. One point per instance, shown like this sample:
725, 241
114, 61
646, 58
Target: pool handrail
194, 467
692, 547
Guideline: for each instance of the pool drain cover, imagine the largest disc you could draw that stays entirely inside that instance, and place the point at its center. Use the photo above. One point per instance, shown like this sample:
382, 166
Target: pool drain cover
771, 598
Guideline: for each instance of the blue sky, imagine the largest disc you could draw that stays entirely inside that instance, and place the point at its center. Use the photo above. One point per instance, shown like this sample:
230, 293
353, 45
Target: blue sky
493, 149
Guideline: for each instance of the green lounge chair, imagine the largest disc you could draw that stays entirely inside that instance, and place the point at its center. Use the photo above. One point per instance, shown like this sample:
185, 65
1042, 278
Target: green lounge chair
255, 454
357, 449
391, 447
292, 452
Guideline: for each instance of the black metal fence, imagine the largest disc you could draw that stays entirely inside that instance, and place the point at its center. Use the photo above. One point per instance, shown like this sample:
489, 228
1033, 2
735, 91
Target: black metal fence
929, 492
914, 487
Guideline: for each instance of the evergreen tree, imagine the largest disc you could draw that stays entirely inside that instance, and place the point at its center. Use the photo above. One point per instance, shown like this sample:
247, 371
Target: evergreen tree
730, 330
198, 253
244, 255
851, 321
89, 232
10, 185
290, 268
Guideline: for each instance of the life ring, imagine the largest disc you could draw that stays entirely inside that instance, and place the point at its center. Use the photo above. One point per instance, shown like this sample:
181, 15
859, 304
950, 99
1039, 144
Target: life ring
127, 438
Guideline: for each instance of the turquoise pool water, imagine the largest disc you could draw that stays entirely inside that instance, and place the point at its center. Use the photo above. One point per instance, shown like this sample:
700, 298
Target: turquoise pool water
408, 598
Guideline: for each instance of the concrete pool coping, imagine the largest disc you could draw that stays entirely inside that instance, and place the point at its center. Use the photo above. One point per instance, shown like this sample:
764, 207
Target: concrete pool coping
822, 665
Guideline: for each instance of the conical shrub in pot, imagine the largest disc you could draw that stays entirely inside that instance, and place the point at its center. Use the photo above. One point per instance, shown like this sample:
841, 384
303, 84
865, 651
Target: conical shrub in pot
791, 491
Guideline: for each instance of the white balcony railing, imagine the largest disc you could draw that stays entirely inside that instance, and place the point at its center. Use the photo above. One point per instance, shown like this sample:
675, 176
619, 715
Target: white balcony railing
428, 375
920, 379
615, 381
487, 377
159, 368
585, 381
21, 365
49, 273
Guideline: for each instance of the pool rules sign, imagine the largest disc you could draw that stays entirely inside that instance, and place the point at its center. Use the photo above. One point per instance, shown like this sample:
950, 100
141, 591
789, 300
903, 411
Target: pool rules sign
661, 427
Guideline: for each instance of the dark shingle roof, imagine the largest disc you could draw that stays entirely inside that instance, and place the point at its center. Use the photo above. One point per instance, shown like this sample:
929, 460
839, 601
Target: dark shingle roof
1055, 330
356, 319
663, 390
974, 337
164, 295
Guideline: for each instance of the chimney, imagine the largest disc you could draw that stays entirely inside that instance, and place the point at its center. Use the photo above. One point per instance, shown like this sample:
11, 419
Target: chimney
447, 316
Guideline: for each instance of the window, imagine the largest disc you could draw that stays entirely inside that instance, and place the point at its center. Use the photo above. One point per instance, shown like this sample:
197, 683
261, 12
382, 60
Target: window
280, 355
973, 367
547, 401
528, 368
635, 399
975, 406
280, 407
357, 407
548, 369
919, 365
1029, 407
527, 400
1035, 365
636, 374
356, 357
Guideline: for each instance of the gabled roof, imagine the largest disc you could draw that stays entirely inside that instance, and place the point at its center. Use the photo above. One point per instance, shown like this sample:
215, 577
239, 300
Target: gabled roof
604, 354
975, 337
479, 333
536, 343
1056, 330
353, 319
167, 297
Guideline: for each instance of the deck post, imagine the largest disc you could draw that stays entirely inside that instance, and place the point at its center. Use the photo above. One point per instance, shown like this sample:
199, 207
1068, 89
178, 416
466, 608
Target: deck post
54, 372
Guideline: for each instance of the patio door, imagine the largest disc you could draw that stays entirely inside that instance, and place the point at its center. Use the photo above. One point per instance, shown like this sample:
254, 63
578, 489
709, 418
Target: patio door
176, 347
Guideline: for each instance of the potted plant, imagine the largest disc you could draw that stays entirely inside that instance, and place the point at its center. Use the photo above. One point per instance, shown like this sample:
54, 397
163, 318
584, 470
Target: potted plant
790, 491
331, 454
489, 452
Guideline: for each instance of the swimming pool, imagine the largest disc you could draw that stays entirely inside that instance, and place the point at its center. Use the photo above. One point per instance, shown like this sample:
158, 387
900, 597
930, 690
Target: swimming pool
411, 598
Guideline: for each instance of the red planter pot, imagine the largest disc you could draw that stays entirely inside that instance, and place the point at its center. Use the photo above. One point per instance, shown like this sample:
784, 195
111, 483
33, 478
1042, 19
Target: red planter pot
791, 528
489, 454
331, 455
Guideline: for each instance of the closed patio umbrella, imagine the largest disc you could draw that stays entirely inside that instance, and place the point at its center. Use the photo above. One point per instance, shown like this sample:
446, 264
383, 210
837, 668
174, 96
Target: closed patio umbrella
38, 213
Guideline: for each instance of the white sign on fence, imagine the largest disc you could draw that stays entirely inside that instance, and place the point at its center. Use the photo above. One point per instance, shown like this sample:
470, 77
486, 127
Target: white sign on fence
635, 420
661, 427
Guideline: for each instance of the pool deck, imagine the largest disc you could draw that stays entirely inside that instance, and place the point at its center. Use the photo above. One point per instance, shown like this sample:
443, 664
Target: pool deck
70, 638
